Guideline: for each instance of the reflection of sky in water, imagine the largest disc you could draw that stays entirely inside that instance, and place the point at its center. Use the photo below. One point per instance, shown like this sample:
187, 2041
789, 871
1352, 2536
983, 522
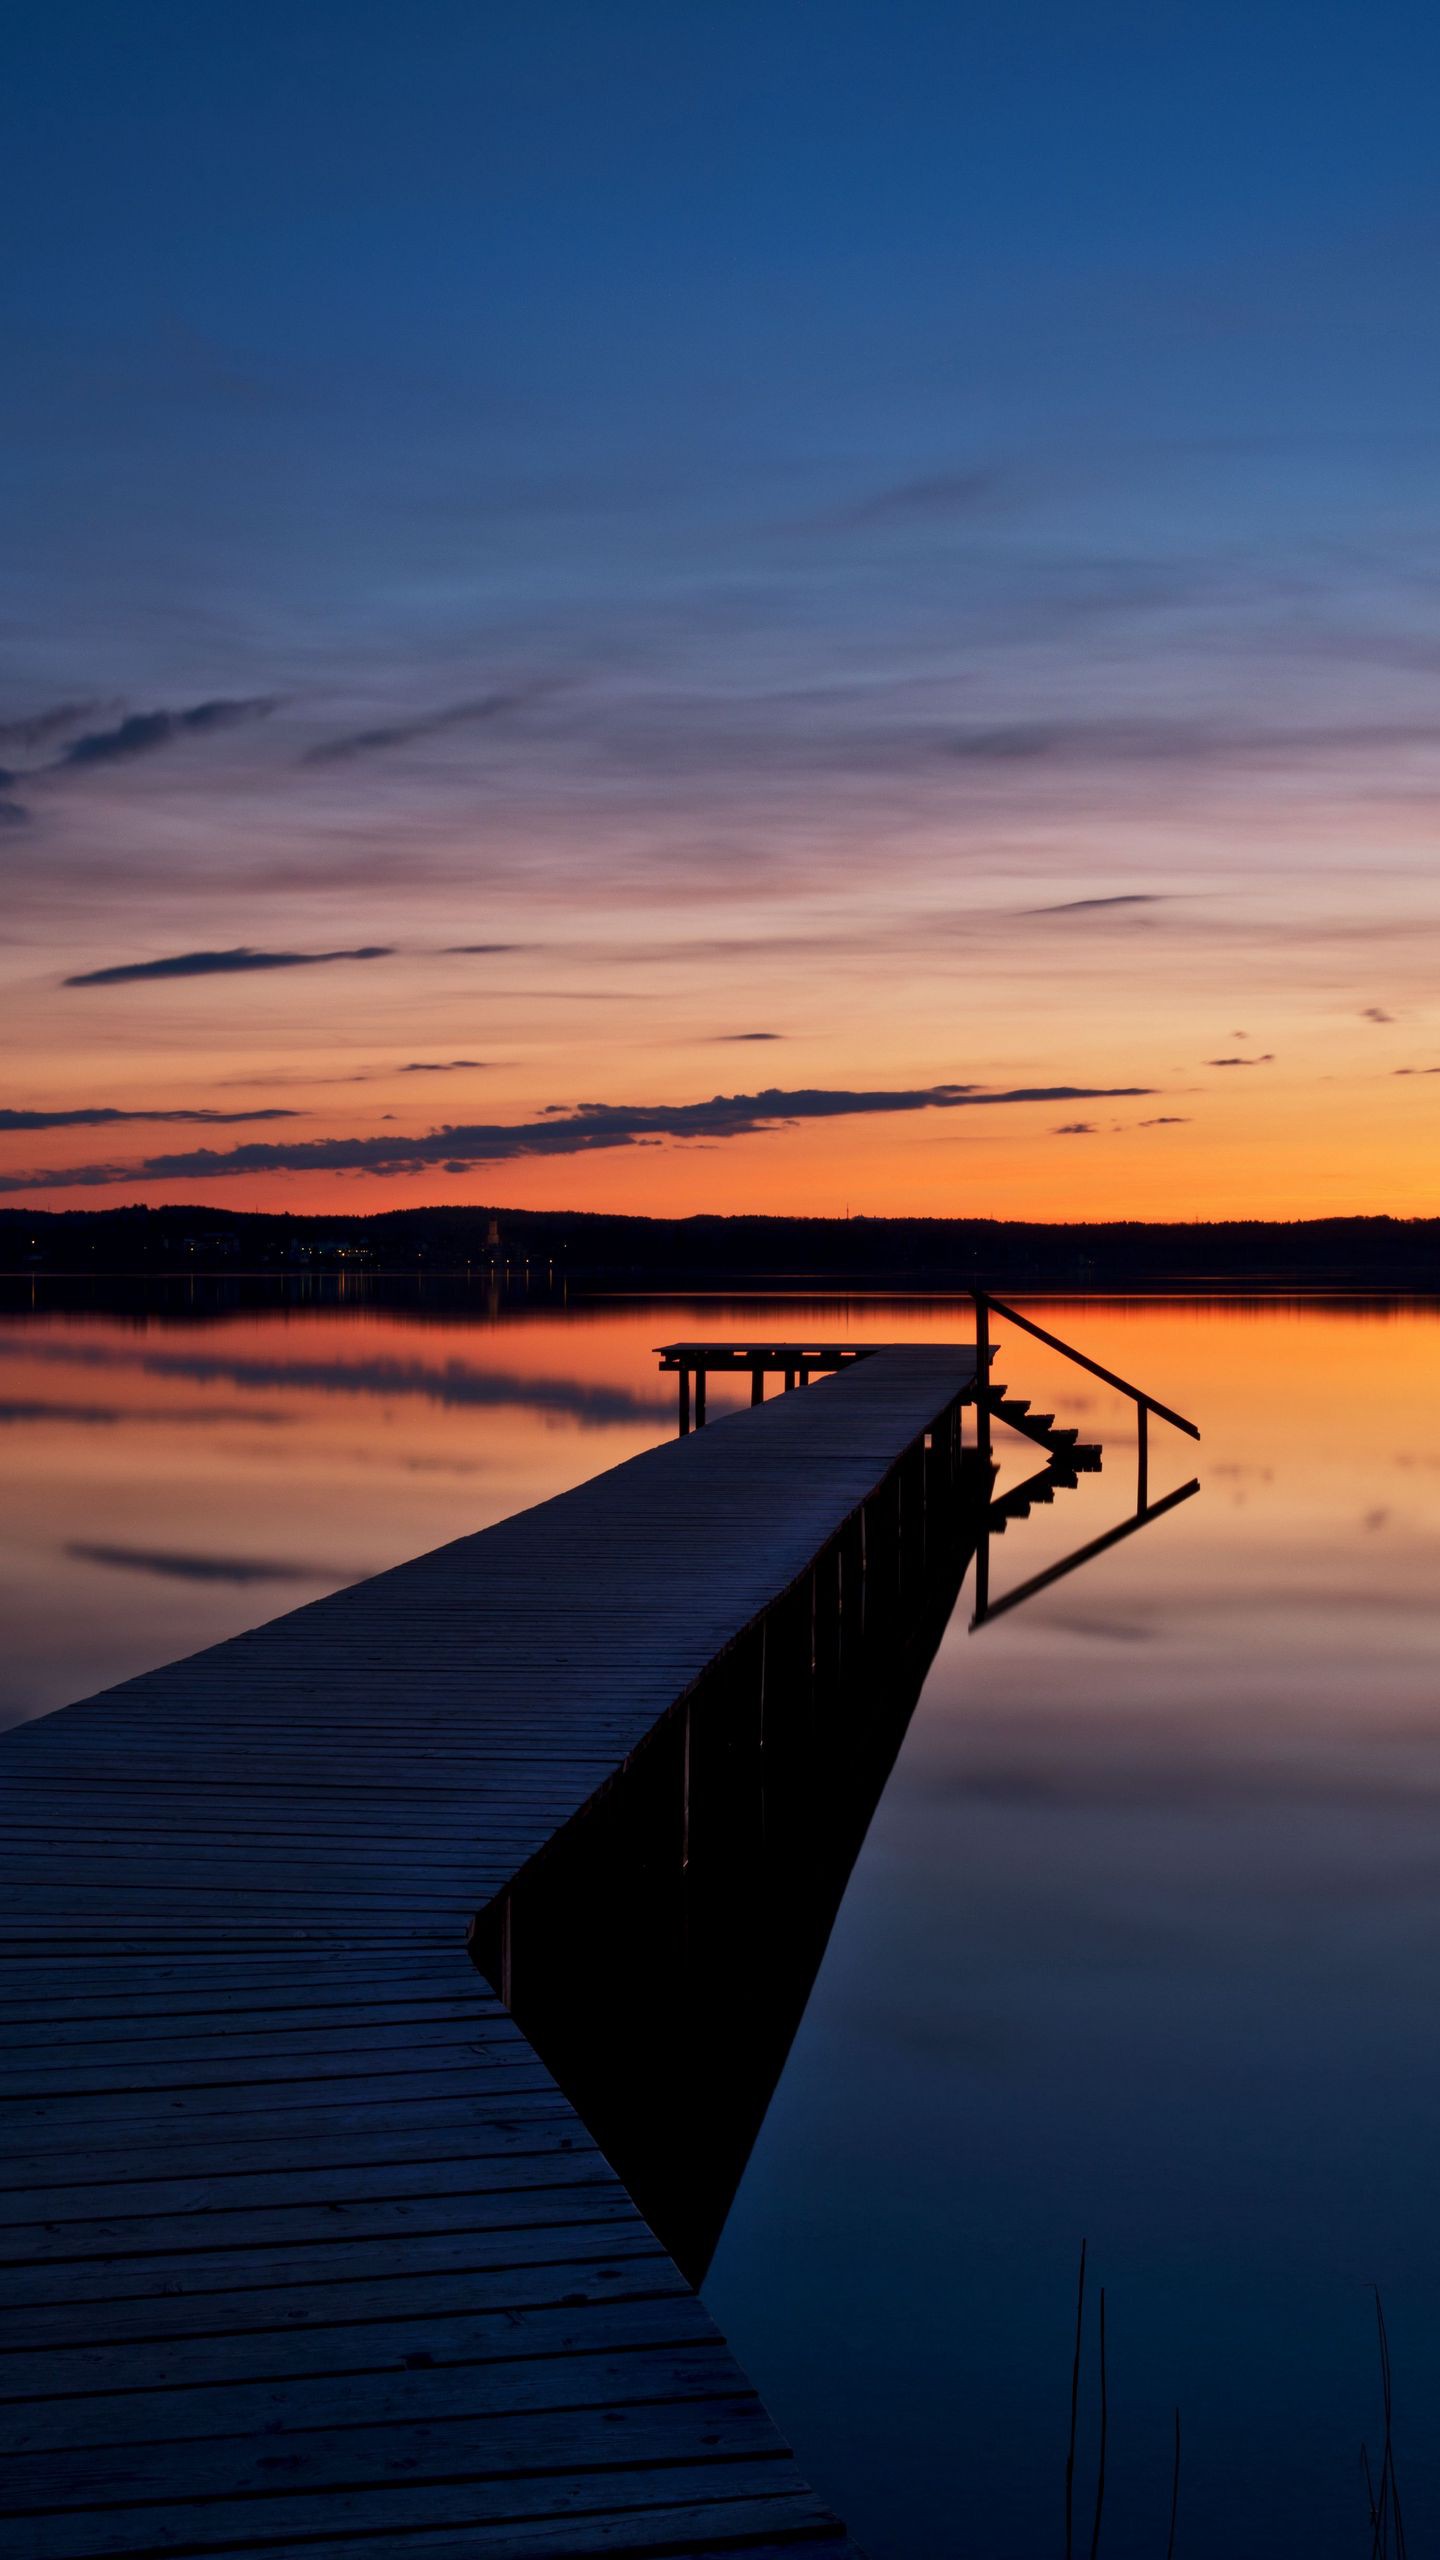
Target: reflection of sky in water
164, 1483
1144, 1945
1145, 1940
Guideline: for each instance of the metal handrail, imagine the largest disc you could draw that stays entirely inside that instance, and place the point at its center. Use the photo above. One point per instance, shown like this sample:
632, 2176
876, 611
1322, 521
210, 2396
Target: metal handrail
986, 1608
1148, 1404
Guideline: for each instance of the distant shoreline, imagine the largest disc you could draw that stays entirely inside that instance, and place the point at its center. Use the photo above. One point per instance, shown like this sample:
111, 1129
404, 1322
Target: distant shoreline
613, 1255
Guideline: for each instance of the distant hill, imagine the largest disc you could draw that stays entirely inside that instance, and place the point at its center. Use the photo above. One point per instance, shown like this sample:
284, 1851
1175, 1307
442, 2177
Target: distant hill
599, 1250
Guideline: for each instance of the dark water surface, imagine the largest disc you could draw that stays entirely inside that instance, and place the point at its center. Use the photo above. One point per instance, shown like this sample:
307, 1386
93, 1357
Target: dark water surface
1144, 1941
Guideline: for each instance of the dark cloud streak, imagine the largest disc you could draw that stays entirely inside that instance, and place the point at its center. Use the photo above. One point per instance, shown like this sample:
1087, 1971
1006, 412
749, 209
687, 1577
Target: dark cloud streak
100, 1116
41, 728
143, 731
1089, 906
585, 1129
388, 735
217, 964
937, 498
1121, 743
176, 1565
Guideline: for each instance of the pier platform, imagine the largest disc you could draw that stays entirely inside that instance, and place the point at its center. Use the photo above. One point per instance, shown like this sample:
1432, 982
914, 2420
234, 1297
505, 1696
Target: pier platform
305, 2250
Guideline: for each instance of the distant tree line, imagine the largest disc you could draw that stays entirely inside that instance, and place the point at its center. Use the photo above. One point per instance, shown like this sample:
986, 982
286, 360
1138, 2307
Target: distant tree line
581, 1247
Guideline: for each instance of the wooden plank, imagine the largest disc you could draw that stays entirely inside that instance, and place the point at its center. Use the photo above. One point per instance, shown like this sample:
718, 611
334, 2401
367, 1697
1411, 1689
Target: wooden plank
167, 2479
482, 2237
139, 2370
168, 2041
127, 2208
700, 2479
243, 2414
783, 2525
315, 2132
564, 2264
432, 2197
231, 2173
126, 2111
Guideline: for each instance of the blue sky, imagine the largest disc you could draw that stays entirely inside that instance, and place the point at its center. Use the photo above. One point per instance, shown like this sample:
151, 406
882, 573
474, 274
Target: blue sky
785, 477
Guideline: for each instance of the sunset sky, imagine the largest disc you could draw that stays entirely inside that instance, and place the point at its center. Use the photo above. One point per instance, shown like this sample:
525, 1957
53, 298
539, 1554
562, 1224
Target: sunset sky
721, 607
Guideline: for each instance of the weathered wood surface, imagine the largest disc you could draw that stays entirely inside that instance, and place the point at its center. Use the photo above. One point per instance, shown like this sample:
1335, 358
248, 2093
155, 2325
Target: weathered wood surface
304, 2251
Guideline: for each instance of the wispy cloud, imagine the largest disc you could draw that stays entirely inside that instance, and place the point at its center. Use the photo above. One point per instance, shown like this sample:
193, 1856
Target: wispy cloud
482, 950
1076, 1129
1089, 906
438, 1066
101, 1116
142, 732
40, 728
1265, 1059
218, 964
1119, 743
582, 1129
1166, 1120
178, 1565
1376, 1013
749, 1035
932, 498
386, 735
369, 1075
1006, 742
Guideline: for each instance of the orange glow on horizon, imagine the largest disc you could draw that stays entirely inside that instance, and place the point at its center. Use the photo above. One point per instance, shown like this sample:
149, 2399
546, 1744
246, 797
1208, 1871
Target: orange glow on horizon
1266, 1076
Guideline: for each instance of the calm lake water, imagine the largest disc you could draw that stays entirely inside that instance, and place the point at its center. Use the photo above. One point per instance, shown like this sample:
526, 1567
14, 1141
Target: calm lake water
1144, 1942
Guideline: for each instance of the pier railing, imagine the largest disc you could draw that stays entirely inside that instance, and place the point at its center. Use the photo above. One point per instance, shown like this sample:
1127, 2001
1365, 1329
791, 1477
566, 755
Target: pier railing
985, 1302
986, 1305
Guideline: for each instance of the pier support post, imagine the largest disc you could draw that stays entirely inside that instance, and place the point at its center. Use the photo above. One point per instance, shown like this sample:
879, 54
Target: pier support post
1142, 1484
982, 1390
757, 1385
699, 1398
684, 1402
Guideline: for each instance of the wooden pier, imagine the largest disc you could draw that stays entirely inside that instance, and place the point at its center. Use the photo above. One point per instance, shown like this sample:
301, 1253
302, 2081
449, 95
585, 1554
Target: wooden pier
306, 2253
